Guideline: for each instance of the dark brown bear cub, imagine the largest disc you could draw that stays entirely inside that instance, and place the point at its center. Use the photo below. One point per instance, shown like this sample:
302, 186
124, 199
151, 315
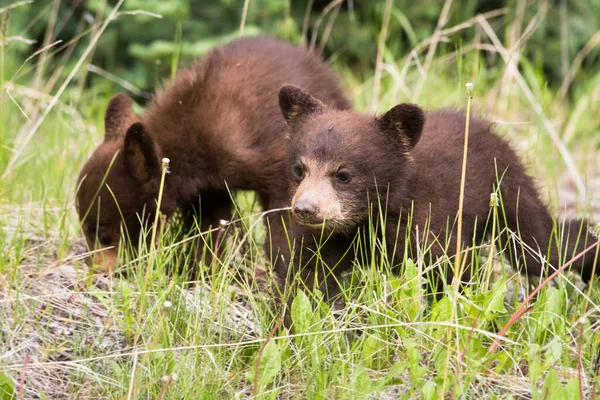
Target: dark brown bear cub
219, 124
406, 165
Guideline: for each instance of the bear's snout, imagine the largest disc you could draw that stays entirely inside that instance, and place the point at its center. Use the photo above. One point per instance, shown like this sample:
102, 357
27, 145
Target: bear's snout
306, 210
105, 261
316, 202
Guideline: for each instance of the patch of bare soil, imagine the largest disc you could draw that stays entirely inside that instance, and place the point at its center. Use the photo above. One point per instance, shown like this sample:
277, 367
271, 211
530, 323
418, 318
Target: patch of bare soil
61, 335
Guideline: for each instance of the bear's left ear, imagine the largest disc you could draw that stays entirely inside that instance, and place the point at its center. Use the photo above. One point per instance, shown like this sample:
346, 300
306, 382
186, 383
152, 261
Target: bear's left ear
405, 122
296, 104
118, 117
140, 154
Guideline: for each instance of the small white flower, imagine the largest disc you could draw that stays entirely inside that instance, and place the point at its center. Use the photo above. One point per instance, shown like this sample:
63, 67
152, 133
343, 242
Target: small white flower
165, 163
167, 304
223, 222
469, 89
494, 200
169, 378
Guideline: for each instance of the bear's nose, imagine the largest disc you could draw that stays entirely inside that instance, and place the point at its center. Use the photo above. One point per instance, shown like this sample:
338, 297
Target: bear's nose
305, 209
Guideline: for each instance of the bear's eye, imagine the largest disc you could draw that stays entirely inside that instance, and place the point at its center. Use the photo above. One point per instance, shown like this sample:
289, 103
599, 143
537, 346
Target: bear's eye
343, 176
103, 238
298, 171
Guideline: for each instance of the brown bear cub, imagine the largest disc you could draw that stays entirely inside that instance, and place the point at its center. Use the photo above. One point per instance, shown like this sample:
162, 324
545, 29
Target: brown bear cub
348, 169
219, 124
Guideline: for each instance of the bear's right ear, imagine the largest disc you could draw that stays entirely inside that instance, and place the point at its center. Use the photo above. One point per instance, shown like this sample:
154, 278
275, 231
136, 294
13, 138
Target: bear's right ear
140, 154
118, 117
403, 122
296, 104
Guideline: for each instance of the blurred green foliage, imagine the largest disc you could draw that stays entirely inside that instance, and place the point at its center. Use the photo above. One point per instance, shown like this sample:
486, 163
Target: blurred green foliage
140, 46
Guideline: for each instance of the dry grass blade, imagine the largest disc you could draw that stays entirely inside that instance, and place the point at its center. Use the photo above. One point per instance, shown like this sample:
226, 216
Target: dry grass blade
319, 21
437, 34
328, 28
583, 53
16, 39
38, 52
244, 15
24, 141
15, 5
380, 49
17, 105
306, 22
564, 152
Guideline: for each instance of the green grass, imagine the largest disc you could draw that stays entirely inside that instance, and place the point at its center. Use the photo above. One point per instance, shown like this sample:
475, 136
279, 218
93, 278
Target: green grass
153, 333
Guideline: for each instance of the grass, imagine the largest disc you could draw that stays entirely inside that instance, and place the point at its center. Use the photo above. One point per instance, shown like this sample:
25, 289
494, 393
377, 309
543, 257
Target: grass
153, 333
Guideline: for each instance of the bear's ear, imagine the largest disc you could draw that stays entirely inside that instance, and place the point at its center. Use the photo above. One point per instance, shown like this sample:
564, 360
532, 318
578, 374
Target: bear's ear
140, 154
404, 122
296, 104
118, 117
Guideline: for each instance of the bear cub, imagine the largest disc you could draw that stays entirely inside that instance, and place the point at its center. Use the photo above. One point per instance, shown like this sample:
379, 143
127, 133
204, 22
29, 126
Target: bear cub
348, 168
219, 124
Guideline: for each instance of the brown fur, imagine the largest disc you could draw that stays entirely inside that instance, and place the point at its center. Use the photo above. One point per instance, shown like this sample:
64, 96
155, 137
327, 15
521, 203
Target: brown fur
220, 126
413, 160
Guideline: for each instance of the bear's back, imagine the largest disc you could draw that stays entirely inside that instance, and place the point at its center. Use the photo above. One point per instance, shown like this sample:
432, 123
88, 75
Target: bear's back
222, 115
438, 158
442, 142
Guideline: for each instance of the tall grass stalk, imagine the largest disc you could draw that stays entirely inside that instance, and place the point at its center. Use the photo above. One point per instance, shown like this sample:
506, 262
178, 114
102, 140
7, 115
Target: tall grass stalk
457, 262
461, 198
175, 59
3, 43
143, 288
244, 16
494, 204
319, 21
380, 51
44, 57
151, 251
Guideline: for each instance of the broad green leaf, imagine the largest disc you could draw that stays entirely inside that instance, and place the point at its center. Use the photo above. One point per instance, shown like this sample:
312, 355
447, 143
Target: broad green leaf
554, 353
571, 390
411, 289
551, 306
504, 362
7, 387
428, 391
369, 349
126, 291
536, 369
494, 299
555, 301
553, 388
362, 382
533, 351
439, 358
414, 355
269, 366
301, 312
396, 371
442, 310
